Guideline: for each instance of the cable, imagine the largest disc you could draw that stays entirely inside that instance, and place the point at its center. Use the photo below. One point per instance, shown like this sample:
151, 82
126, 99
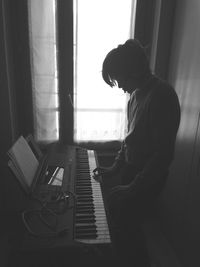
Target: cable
61, 198
53, 232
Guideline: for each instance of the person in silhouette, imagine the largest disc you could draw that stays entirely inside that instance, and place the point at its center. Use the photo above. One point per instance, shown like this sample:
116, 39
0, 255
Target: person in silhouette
142, 164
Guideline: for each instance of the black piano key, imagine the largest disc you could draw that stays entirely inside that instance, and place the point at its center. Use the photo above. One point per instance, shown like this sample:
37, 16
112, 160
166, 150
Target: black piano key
85, 207
91, 210
86, 204
83, 215
83, 188
86, 228
83, 176
83, 167
87, 212
81, 204
86, 220
83, 179
87, 201
83, 210
84, 224
82, 171
86, 236
86, 231
84, 194
84, 185
87, 198
83, 182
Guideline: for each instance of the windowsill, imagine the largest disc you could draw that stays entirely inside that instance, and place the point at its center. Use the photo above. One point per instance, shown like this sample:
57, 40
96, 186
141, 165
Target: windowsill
101, 146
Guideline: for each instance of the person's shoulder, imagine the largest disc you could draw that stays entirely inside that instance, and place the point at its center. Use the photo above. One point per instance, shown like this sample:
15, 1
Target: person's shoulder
162, 88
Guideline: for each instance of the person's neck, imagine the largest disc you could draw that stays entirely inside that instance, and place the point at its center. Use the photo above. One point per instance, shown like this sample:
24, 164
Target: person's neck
142, 83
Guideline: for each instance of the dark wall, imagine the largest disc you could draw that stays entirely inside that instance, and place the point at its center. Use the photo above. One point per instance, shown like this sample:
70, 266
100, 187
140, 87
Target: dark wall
11, 196
18, 44
181, 198
15, 90
6, 120
154, 28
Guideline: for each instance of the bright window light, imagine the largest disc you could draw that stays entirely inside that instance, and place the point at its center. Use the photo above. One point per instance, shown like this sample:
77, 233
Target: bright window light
99, 26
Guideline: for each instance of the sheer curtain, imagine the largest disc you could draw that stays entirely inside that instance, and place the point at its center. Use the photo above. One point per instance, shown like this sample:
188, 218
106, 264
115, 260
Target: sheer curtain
42, 15
99, 27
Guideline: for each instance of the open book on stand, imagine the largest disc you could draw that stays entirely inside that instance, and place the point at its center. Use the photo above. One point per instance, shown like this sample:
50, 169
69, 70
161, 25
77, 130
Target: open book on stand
23, 162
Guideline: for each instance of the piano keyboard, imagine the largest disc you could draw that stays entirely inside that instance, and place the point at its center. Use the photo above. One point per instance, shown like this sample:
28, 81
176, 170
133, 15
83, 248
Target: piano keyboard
91, 225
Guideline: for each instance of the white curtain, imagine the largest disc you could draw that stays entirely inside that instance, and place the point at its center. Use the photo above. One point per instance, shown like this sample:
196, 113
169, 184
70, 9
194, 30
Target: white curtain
100, 25
44, 69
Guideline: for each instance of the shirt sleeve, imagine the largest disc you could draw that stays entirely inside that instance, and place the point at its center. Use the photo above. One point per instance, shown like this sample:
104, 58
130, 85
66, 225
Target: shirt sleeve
120, 158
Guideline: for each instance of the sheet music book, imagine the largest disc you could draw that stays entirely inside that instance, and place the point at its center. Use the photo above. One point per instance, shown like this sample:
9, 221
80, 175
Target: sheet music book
18, 175
23, 162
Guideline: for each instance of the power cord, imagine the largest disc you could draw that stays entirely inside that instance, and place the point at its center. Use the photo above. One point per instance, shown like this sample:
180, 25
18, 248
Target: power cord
59, 203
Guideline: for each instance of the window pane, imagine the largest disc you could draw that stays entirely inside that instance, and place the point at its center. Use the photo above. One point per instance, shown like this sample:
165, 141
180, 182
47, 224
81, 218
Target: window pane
99, 27
109, 131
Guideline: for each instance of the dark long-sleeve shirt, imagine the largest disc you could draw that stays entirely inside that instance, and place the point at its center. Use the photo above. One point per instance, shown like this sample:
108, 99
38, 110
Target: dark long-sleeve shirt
153, 122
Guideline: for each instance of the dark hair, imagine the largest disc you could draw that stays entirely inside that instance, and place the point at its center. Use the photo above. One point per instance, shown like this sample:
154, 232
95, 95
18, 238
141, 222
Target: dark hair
128, 59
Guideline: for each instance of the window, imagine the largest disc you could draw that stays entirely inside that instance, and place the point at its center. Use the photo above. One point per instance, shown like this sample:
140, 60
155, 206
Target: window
99, 26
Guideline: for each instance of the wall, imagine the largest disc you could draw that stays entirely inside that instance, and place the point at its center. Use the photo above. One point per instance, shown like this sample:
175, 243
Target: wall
5, 111
181, 197
14, 100
5, 140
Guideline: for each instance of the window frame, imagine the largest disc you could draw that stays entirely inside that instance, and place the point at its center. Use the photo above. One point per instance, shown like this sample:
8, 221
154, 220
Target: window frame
65, 69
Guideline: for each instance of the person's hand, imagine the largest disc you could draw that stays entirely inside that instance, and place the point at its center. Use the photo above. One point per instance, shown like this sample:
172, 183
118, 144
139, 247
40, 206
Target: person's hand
99, 171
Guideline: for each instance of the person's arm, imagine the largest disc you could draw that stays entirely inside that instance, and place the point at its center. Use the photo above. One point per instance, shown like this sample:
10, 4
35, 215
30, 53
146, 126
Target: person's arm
114, 168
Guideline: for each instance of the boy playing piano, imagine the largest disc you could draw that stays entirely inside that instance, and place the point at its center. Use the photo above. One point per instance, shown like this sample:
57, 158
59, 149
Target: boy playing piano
143, 162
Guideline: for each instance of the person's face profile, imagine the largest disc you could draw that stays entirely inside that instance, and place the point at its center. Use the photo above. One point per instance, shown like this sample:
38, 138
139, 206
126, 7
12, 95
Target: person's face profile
127, 84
